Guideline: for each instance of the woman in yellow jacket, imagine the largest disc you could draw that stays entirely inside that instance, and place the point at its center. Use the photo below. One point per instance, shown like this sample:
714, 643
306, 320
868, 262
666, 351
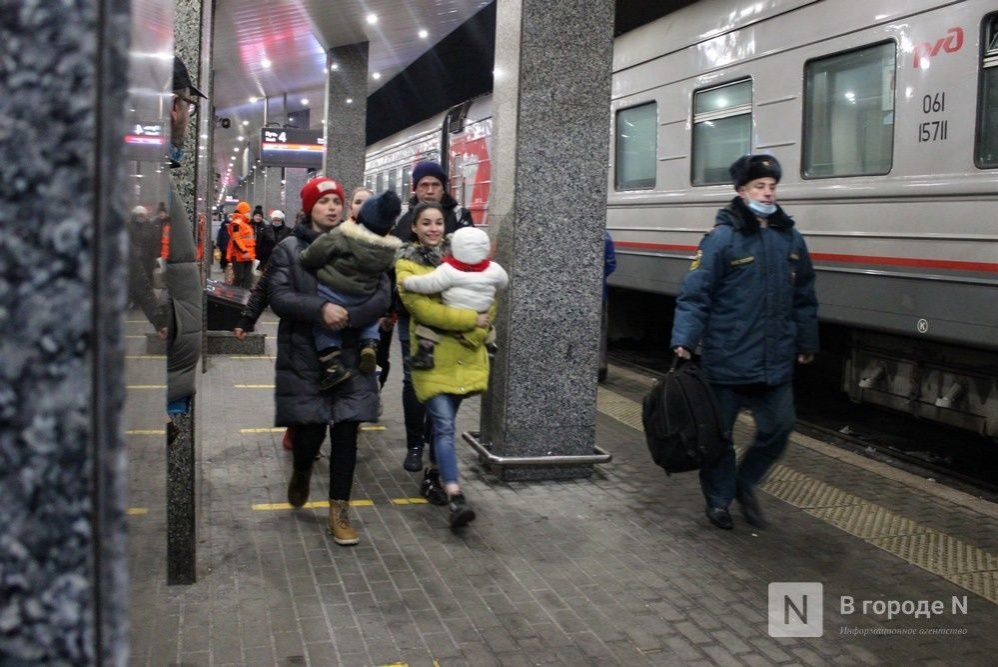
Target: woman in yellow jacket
461, 366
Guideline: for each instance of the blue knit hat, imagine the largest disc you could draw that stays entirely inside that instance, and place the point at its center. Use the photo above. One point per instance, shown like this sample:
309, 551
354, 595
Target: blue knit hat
424, 169
379, 213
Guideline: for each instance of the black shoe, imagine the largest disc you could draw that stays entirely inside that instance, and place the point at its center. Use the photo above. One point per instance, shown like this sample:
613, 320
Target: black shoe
413, 459
431, 489
422, 360
720, 517
750, 508
298, 487
460, 513
368, 357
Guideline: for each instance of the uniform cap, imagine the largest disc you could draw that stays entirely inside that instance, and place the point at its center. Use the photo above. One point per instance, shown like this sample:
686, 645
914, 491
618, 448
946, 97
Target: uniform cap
747, 168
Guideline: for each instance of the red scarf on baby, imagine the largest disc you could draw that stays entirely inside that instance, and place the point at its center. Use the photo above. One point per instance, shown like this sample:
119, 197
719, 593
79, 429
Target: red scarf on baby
471, 268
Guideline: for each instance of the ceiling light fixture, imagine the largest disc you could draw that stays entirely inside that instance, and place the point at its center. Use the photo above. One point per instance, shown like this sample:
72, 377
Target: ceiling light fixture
304, 101
253, 100
372, 18
349, 100
334, 67
245, 122
375, 75
265, 63
423, 34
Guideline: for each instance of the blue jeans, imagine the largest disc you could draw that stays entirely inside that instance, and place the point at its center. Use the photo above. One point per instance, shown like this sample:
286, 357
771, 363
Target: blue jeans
327, 337
773, 410
442, 410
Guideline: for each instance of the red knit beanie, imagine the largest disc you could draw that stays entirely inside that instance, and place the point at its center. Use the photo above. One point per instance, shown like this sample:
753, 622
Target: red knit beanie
316, 189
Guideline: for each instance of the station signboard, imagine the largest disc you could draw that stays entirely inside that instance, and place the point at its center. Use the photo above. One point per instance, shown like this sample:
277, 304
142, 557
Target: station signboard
290, 147
145, 142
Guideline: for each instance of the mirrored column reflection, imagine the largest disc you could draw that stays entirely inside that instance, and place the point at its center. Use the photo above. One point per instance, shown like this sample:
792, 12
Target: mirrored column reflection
146, 140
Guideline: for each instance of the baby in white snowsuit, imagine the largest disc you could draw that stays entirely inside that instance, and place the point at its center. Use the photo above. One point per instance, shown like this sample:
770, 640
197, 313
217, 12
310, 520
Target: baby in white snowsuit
467, 278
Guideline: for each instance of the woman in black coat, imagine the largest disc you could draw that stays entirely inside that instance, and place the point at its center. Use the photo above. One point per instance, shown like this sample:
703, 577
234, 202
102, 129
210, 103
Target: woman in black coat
299, 400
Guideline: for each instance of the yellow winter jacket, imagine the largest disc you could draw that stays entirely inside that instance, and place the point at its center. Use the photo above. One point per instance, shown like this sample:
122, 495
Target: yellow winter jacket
459, 368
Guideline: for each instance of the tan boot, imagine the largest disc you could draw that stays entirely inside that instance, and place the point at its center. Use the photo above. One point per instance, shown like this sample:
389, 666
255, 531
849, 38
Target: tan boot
339, 523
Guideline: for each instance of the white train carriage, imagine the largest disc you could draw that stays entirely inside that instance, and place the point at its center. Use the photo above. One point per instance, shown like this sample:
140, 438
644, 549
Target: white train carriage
885, 119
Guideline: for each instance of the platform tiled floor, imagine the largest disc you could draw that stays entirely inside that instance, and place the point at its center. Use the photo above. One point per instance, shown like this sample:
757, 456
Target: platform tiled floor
619, 569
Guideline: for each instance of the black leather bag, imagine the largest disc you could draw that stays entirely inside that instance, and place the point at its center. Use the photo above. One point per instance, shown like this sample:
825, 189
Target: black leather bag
682, 420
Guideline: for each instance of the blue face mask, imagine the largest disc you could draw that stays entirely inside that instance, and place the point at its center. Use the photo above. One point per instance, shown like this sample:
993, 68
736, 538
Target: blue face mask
761, 209
176, 155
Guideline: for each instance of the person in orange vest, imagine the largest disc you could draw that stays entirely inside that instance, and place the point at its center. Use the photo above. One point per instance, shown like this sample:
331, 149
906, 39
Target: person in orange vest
242, 246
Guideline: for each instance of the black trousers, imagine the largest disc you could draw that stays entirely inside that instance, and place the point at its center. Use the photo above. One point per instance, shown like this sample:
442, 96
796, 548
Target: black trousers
342, 453
384, 355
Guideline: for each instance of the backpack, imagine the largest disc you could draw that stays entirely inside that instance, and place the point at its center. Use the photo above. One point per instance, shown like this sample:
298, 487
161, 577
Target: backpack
682, 420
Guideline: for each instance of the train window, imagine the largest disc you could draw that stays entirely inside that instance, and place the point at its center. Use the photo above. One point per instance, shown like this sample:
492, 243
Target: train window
380, 182
987, 115
722, 130
849, 113
392, 176
406, 181
636, 147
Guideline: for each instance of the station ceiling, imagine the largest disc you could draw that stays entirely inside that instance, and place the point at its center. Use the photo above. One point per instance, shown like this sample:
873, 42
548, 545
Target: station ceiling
275, 49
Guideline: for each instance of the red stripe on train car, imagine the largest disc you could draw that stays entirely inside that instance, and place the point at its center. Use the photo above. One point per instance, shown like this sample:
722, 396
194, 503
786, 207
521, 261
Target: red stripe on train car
952, 265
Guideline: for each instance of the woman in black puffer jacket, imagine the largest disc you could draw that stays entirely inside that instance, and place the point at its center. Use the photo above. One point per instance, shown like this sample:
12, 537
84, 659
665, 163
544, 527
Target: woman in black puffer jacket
299, 400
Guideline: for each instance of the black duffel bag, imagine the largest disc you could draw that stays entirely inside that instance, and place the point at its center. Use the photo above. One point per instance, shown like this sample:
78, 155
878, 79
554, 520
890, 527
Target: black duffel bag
682, 420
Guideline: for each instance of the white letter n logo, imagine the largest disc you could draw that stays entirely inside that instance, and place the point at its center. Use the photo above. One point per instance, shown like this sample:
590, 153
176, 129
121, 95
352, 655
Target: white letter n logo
795, 609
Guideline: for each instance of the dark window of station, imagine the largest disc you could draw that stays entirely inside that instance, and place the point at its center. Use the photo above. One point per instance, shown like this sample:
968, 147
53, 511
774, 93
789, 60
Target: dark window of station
849, 113
636, 143
987, 116
406, 182
380, 182
722, 130
392, 176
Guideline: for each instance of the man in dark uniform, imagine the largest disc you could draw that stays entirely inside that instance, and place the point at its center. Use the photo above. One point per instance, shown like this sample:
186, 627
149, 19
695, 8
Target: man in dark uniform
749, 301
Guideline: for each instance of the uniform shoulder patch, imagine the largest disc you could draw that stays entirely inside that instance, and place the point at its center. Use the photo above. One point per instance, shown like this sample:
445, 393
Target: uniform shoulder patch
695, 264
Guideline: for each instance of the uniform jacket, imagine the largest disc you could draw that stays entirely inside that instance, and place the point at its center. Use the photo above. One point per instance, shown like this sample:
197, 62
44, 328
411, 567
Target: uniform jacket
455, 217
242, 239
749, 299
292, 296
349, 258
459, 368
474, 290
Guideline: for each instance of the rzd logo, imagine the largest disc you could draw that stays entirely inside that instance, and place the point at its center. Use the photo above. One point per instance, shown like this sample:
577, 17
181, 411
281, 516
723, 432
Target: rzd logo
952, 43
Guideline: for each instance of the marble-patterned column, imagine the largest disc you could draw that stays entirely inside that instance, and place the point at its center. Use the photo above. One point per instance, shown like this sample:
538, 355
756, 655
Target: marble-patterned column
63, 277
273, 190
294, 179
547, 213
346, 122
181, 534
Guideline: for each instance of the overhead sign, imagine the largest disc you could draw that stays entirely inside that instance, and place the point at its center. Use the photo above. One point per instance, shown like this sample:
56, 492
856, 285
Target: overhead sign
145, 142
290, 147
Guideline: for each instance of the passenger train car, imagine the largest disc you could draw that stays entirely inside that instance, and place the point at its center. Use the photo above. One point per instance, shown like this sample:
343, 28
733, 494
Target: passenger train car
884, 116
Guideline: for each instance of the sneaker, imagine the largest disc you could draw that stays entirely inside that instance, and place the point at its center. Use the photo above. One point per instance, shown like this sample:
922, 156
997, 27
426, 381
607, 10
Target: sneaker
460, 512
368, 356
422, 360
413, 459
431, 488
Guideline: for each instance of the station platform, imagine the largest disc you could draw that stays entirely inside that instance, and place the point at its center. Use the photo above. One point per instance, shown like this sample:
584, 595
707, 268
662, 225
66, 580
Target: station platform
619, 569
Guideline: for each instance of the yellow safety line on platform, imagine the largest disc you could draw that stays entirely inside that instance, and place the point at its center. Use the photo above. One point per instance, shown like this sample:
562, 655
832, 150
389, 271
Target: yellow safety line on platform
145, 386
250, 357
136, 511
136, 336
263, 430
312, 505
408, 501
253, 386
146, 432
145, 356
373, 427
967, 566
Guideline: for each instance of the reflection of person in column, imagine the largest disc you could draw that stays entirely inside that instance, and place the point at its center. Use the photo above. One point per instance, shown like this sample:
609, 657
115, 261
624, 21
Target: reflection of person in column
183, 275
143, 252
609, 266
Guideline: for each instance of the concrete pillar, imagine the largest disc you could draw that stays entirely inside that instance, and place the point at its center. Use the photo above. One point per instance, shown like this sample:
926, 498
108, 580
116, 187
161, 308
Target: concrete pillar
273, 196
294, 180
181, 538
547, 213
64, 183
346, 123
